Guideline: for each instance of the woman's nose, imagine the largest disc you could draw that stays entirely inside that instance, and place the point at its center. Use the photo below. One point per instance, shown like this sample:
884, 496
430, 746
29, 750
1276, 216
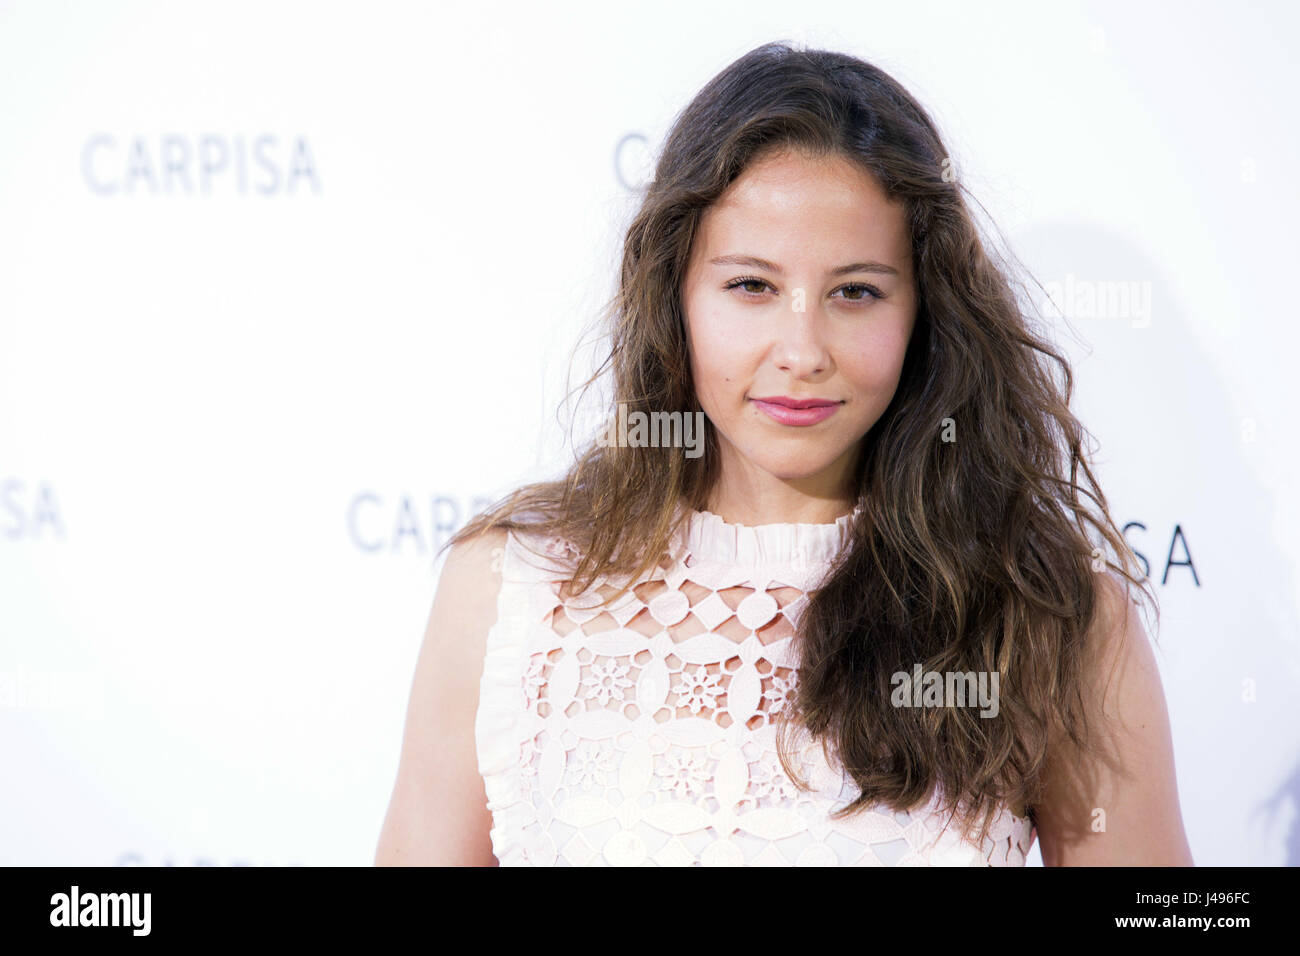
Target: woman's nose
800, 349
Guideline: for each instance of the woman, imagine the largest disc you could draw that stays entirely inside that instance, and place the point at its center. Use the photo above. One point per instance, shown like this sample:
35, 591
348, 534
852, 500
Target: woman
749, 656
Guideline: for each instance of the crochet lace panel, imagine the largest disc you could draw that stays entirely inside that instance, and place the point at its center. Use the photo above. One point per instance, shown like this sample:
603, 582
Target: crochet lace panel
644, 732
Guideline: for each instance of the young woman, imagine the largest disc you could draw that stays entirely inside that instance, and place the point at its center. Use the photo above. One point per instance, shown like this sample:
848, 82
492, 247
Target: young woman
749, 656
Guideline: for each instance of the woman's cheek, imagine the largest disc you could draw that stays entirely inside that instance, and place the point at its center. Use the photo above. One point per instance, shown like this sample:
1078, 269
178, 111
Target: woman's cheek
717, 328
720, 355
879, 352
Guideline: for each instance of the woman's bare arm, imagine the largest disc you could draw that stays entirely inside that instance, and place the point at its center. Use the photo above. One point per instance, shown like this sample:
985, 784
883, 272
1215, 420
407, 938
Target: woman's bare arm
438, 813
1117, 806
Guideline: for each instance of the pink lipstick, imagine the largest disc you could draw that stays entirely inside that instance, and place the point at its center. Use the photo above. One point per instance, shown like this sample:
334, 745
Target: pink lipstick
796, 411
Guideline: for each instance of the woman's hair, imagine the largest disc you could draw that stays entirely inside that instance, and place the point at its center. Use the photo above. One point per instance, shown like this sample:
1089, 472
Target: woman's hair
984, 553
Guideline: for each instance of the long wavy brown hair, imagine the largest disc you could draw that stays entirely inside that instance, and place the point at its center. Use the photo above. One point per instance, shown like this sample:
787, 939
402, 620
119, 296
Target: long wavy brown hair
976, 555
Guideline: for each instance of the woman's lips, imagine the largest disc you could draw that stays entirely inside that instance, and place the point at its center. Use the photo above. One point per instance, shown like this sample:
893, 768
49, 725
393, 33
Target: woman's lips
790, 411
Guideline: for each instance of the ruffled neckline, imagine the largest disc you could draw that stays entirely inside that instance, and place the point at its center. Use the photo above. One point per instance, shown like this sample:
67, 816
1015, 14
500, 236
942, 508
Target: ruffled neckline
709, 538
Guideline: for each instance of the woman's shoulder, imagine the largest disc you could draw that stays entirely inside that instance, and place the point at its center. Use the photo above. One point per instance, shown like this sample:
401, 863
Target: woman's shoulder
471, 573
518, 555
536, 555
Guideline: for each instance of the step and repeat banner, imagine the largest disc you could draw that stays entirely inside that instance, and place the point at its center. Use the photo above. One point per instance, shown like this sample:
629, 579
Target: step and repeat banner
288, 291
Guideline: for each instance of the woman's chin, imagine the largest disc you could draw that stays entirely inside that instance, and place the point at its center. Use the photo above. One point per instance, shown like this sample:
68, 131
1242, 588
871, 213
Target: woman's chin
793, 467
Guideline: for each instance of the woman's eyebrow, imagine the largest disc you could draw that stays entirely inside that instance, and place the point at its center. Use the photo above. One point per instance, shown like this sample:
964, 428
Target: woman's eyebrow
757, 263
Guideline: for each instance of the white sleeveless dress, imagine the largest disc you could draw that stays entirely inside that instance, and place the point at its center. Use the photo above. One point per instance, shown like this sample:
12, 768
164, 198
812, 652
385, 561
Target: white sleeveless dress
643, 734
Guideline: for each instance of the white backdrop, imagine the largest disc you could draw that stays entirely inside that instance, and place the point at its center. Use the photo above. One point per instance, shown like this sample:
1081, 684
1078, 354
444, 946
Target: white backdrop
288, 290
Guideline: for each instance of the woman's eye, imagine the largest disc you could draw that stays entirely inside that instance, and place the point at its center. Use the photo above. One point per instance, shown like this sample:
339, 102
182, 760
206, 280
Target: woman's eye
860, 292
747, 285
853, 292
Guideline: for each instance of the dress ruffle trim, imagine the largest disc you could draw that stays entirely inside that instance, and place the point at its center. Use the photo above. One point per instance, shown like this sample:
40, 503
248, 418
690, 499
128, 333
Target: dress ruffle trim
502, 701
710, 538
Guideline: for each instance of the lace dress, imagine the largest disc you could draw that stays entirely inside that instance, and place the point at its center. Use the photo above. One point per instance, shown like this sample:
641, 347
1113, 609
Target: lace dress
643, 733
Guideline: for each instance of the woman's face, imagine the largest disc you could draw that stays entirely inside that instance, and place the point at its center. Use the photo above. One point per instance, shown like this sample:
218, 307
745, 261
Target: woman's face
799, 290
